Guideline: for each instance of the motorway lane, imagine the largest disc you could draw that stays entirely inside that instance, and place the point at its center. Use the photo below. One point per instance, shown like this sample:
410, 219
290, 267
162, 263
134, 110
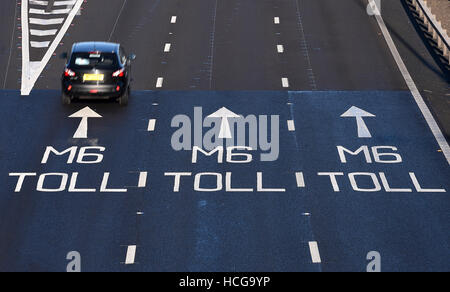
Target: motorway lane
232, 46
223, 231
142, 36
223, 48
408, 221
347, 52
38, 230
246, 56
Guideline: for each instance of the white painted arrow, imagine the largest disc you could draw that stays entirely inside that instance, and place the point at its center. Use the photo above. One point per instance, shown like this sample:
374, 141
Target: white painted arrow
224, 114
359, 114
84, 114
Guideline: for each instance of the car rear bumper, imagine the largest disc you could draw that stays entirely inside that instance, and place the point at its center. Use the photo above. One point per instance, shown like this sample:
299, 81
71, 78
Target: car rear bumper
94, 91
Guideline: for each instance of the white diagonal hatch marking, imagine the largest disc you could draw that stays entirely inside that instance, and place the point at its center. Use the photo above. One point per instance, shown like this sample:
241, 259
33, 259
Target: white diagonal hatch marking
32, 70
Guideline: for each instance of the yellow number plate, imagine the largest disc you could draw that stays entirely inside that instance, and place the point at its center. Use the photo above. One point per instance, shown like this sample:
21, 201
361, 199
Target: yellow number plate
93, 77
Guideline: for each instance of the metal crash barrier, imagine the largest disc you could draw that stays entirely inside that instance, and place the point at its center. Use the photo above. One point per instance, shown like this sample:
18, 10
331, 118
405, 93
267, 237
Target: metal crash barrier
433, 26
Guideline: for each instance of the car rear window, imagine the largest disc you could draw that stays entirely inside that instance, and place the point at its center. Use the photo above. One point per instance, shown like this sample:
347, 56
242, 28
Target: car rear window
94, 61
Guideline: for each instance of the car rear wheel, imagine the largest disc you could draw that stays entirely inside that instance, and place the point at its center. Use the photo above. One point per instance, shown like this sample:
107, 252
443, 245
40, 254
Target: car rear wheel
66, 100
123, 100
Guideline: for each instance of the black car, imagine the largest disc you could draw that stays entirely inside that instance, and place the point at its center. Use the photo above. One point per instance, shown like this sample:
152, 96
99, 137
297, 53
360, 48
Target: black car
97, 70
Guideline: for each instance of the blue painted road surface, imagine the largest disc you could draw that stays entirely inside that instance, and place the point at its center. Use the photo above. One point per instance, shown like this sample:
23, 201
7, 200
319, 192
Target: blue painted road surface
335, 188
261, 135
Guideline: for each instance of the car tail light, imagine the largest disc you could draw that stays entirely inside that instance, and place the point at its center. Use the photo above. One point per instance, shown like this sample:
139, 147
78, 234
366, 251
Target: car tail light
69, 73
119, 73
118, 88
69, 88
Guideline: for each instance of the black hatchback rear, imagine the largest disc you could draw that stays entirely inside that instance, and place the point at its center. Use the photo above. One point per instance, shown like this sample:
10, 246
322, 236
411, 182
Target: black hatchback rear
97, 70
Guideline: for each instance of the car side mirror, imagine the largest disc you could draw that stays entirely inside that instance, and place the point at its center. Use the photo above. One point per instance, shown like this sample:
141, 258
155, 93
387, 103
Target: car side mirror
64, 56
132, 57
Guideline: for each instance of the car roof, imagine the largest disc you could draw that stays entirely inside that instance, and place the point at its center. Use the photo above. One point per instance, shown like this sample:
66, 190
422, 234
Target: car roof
95, 47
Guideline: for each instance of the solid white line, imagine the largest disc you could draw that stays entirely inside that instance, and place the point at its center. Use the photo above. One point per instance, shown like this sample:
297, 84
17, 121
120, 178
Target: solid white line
25, 48
285, 82
412, 87
276, 20
143, 179
167, 48
280, 49
291, 125
300, 179
159, 82
151, 125
173, 19
131, 255
314, 250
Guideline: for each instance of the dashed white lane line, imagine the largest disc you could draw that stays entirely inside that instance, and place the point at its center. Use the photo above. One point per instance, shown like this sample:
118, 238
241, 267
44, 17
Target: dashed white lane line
143, 179
314, 250
276, 20
412, 85
291, 125
173, 19
285, 82
131, 255
159, 82
151, 125
167, 48
300, 179
280, 49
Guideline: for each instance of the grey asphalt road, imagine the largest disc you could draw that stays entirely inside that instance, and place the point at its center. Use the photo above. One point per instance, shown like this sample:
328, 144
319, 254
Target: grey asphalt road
300, 64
